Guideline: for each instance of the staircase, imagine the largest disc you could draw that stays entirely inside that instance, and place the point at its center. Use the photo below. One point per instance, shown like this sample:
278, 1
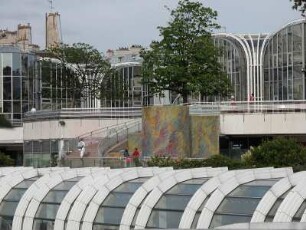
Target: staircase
99, 143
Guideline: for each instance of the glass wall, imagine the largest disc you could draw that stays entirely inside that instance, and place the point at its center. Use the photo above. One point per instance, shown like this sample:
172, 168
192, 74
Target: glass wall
57, 87
18, 83
284, 69
234, 64
239, 205
124, 88
10, 201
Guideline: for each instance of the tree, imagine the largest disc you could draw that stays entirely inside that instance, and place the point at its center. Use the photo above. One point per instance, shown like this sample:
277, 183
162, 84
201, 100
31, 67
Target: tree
186, 60
299, 5
85, 68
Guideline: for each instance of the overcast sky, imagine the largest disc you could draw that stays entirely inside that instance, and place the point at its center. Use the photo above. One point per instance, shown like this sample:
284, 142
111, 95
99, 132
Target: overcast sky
119, 23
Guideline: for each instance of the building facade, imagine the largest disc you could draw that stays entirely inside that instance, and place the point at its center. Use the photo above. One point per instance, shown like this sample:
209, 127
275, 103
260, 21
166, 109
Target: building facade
272, 67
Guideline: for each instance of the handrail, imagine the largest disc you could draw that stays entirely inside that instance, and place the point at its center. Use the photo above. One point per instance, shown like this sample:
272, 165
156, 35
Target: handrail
246, 107
105, 112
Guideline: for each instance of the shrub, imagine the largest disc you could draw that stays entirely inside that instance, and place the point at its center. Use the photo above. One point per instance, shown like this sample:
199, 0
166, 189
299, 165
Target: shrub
6, 160
280, 152
4, 123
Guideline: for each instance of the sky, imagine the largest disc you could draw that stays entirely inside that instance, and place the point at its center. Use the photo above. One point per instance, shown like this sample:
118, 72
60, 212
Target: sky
110, 24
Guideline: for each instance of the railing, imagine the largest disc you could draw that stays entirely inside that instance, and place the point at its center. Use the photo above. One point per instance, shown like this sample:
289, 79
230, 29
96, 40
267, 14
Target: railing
112, 162
99, 141
216, 108
108, 112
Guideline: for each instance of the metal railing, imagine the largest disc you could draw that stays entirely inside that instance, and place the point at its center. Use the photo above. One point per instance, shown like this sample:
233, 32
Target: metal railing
216, 108
107, 112
112, 162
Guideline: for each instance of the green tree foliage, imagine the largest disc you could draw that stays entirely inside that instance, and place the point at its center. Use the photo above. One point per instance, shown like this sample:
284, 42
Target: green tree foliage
186, 60
5, 160
4, 123
299, 5
85, 67
279, 152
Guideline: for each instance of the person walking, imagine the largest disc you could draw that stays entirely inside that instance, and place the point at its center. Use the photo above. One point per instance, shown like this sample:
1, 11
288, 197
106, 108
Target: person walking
136, 155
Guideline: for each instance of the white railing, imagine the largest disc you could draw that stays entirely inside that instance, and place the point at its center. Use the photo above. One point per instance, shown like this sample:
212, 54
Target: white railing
216, 108
107, 112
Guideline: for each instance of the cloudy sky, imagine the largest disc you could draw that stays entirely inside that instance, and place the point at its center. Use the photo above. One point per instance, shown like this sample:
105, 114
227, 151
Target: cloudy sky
119, 23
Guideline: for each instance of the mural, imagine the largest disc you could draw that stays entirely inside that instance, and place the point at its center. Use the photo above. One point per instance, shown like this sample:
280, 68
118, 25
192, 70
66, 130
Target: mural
205, 136
166, 131
171, 131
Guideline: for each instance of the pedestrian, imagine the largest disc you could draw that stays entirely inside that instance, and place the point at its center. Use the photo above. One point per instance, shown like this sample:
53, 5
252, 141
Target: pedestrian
252, 98
81, 147
126, 153
136, 155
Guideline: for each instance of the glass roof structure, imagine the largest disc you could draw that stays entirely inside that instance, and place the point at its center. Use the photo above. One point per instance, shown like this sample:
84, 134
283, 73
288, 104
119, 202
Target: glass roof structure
160, 198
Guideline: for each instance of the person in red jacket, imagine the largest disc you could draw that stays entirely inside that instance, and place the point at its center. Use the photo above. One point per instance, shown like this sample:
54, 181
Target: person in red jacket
136, 155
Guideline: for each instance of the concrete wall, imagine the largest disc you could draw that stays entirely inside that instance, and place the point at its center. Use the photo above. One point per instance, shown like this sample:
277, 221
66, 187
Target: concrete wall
52, 129
259, 123
11, 136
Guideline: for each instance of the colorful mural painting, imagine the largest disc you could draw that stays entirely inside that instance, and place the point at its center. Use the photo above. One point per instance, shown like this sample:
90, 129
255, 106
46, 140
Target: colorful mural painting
204, 136
171, 131
166, 131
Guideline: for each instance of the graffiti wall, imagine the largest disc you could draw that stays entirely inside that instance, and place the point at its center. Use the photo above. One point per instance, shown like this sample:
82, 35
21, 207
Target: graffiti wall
166, 131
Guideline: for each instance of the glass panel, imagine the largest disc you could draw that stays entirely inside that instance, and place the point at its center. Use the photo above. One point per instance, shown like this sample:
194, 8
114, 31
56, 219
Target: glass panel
219, 220
128, 187
274, 208
7, 88
104, 227
117, 199
7, 208
109, 215
7, 64
163, 219
16, 88
6, 223
15, 194
298, 215
250, 191
268, 182
26, 183
16, 64
196, 181
241, 206
172, 202
47, 211
43, 225
186, 189
66, 185
55, 196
